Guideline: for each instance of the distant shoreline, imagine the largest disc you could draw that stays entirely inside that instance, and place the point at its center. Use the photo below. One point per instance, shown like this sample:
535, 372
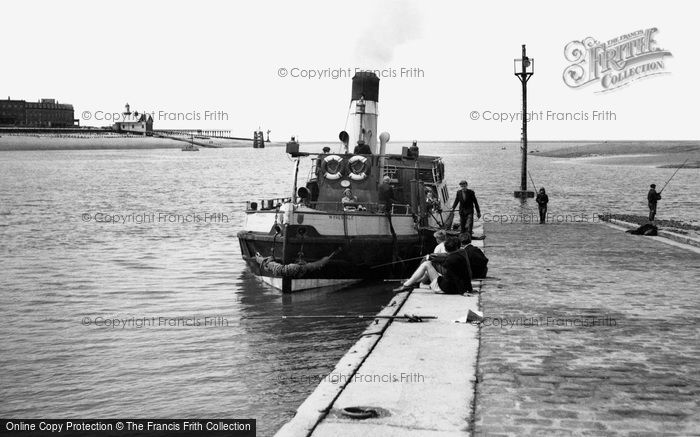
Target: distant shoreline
662, 154
100, 141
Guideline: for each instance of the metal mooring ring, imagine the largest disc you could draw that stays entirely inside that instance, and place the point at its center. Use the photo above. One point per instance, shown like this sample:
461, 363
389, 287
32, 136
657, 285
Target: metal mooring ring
359, 412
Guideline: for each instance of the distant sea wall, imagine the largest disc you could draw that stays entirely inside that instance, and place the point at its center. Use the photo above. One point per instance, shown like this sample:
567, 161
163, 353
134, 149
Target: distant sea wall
108, 140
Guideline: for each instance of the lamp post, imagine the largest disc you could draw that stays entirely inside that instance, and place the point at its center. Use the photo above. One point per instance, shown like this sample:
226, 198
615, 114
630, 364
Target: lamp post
524, 68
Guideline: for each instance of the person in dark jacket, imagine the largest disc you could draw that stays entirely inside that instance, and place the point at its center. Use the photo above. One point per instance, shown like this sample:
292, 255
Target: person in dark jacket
386, 194
456, 278
652, 198
466, 199
542, 200
478, 262
362, 149
386, 200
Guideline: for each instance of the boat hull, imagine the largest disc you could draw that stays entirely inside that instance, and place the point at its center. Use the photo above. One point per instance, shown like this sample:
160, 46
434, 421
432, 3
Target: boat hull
356, 256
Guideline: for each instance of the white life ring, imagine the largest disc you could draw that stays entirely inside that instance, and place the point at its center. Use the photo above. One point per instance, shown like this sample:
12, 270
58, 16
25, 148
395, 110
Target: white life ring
353, 173
332, 173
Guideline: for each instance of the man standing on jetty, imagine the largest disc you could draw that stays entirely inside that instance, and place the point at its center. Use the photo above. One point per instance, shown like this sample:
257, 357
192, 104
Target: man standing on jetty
542, 201
466, 199
652, 198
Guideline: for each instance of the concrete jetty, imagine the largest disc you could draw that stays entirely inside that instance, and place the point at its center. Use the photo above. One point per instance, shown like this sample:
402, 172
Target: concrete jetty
419, 378
591, 331
588, 331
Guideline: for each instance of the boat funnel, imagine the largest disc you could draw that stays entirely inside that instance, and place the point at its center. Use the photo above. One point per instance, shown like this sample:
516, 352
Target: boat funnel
364, 99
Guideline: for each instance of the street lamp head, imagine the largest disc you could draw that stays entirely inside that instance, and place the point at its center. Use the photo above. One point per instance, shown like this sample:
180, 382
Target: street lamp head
524, 66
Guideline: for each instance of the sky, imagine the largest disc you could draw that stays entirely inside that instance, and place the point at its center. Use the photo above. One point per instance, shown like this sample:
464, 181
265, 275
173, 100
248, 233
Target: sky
238, 65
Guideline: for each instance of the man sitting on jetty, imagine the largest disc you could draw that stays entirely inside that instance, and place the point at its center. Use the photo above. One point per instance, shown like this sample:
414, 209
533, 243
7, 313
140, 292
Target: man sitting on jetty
478, 263
477, 260
456, 278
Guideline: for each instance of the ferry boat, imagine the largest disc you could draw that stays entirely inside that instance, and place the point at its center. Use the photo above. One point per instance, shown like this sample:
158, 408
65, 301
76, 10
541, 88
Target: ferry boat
313, 239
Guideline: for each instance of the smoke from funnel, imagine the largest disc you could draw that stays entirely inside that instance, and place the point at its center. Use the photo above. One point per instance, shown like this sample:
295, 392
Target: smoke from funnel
390, 26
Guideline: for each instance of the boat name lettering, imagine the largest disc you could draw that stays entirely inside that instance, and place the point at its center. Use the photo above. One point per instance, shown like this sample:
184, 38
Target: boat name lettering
340, 217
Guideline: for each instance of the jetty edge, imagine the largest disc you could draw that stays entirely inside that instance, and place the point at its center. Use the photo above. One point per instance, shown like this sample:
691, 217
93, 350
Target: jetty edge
662, 234
415, 379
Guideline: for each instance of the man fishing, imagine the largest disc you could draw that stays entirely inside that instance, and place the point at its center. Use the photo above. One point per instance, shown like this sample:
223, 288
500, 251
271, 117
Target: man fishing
455, 279
652, 198
466, 199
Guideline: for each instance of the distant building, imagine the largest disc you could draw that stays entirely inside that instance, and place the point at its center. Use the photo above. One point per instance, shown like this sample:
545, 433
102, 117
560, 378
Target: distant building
44, 113
143, 125
134, 122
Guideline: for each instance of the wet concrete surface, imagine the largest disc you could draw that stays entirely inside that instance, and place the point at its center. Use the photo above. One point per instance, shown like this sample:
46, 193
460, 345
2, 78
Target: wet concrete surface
589, 331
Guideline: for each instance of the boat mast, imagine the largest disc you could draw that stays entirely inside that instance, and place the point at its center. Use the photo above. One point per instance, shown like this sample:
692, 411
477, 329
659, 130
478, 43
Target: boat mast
296, 174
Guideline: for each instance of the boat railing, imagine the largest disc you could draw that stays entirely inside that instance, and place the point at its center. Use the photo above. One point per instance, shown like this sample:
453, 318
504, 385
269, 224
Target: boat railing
273, 205
267, 204
361, 207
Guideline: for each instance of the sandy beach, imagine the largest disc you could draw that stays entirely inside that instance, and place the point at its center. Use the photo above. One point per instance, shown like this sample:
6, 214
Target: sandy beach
663, 154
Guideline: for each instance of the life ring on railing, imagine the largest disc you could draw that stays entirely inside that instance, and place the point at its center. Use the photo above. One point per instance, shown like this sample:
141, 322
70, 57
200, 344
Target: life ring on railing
358, 172
332, 167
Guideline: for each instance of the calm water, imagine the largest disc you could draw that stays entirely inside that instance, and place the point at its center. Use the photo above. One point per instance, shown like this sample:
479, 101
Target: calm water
59, 266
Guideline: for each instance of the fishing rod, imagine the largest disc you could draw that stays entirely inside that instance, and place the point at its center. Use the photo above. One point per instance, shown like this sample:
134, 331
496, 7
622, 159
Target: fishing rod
360, 316
396, 262
532, 180
413, 317
674, 173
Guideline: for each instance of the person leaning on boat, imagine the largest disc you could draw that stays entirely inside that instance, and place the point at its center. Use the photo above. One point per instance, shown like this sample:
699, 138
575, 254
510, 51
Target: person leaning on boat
431, 202
386, 195
466, 199
456, 277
